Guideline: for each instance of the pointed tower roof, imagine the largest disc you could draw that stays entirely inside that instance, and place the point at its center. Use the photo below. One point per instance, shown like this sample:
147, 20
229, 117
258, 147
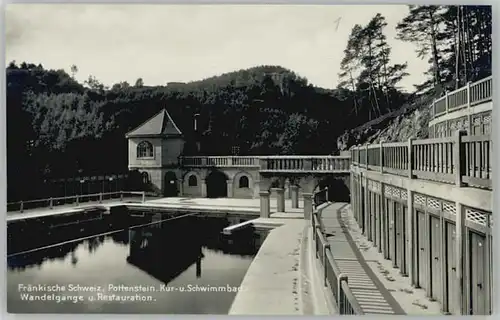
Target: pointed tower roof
160, 125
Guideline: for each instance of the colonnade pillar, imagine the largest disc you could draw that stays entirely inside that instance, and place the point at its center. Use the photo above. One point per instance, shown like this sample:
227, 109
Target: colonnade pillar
203, 188
308, 205
280, 199
265, 204
229, 188
295, 196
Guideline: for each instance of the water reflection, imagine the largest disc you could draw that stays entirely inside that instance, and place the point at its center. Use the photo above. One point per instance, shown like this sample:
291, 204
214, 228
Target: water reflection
179, 253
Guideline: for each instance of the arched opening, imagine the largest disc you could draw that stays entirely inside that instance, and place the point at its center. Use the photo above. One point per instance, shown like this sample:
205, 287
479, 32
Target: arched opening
216, 185
170, 186
192, 181
243, 183
145, 150
338, 191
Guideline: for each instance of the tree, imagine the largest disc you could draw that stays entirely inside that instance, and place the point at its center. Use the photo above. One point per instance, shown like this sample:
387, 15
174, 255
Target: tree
350, 63
421, 26
366, 68
139, 83
74, 70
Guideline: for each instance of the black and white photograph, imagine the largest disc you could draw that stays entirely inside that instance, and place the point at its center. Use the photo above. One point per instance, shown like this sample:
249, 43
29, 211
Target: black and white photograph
249, 159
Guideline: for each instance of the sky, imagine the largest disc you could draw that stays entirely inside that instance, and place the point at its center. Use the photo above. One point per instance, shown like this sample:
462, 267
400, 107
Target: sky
182, 43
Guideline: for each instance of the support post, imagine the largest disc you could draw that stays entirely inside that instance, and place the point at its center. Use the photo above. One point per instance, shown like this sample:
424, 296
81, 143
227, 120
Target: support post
460, 254
382, 218
203, 188
308, 206
381, 154
340, 303
469, 113
121, 196
265, 205
446, 100
458, 158
410, 237
143, 196
77, 200
100, 197
288, 192
21, 206
468, 94
180, 183
280, 199
51, 203
326, 247
230, 189
366, 157
295, 196
411, 165
366, 207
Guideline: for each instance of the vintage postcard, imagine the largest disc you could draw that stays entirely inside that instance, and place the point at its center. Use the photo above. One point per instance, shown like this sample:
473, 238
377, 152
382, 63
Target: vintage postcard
249, 159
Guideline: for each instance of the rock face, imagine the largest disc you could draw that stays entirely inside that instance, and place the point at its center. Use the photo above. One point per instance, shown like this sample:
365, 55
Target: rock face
411, 120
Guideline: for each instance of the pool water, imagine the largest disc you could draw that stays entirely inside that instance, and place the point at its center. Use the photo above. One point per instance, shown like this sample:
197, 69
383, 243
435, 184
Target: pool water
184, 266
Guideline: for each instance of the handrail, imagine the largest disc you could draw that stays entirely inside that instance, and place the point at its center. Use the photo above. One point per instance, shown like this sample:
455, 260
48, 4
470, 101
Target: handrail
317, 200
348, 304
461, 160
467, 96
76, 199
332, 277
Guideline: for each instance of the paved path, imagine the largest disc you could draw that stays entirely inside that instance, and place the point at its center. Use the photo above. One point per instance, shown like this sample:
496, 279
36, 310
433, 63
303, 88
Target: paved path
372, 296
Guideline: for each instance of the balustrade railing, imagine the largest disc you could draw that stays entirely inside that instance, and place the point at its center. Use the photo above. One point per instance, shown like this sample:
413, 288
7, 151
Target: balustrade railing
76, 200
337, 282
305, 164
274, 163
219, 161
462, 160
470, 95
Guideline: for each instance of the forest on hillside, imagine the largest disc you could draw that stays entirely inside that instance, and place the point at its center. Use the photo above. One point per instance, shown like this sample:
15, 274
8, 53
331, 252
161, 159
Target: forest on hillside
58, 127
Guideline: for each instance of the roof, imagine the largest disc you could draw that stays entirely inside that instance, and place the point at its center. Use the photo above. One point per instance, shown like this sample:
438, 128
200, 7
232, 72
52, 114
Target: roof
159, 125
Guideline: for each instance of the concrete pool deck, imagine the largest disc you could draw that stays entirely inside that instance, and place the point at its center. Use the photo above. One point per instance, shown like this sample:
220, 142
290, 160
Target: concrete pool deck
228, 205
280, 280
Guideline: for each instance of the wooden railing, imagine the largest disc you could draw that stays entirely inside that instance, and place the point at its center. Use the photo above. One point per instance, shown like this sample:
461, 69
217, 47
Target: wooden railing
274, 163
470, 95
76, 200
461, 160
335, 281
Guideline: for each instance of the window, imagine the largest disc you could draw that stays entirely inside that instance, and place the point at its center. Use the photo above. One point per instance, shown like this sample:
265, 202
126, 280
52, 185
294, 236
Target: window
192, 182
145, 150
145, 178
243, 182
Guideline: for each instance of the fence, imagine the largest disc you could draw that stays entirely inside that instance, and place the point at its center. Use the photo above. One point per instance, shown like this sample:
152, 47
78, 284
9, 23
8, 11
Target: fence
462, 160
470, 95
336, 282
50, 203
